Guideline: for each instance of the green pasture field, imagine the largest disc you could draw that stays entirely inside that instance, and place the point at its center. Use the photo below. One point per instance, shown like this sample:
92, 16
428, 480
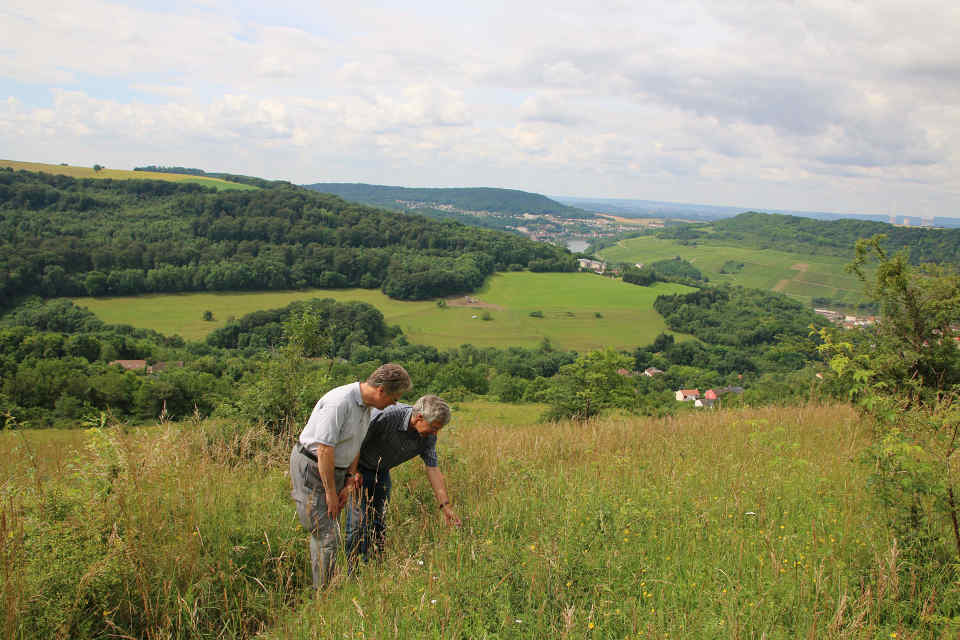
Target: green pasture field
804, 276
569, 302
121, 174
747, 523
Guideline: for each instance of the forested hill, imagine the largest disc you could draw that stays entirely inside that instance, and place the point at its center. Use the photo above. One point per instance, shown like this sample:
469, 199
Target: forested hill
61, 236
837, 237
477, 199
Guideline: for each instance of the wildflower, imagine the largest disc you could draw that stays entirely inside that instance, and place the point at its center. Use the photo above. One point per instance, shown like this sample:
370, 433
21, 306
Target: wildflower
569, 583
590, 626
750, 513
433, 602
420, 562
533, 547
518, 621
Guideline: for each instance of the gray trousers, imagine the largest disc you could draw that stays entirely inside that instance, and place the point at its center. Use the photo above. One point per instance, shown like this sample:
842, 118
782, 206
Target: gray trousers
311, 499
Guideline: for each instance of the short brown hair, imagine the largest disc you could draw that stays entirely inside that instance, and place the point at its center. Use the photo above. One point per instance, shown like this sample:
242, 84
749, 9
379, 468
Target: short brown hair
391, 377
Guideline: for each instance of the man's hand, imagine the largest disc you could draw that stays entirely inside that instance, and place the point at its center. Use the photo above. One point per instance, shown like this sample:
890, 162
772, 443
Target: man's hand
450, 516
333, 504
351, 486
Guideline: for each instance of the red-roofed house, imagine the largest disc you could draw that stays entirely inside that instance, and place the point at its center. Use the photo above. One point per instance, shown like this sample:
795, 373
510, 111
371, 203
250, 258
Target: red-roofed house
684, 395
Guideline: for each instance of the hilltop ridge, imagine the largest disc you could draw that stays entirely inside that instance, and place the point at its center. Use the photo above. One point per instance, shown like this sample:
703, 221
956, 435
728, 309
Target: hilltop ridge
466, 199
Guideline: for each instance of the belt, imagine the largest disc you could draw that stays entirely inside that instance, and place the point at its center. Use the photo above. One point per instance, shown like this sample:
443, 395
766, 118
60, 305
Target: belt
304, 451
310, 454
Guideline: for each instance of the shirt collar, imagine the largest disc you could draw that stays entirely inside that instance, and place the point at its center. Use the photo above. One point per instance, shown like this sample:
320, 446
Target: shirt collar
356, 395
405, 423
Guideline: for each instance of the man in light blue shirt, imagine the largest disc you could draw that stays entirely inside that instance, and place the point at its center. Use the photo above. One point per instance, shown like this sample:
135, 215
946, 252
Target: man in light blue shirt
326, 454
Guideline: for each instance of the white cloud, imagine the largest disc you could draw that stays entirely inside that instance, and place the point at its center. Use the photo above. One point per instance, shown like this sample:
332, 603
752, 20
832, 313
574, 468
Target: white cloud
829, 103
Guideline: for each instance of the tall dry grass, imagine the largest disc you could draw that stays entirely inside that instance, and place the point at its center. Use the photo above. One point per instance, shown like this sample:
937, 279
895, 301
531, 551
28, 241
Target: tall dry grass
753, 523
175, 531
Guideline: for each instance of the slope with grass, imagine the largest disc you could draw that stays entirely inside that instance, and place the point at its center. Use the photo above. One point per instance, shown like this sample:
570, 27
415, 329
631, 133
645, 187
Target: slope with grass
121, 174
569, 303
802, 275
732, 523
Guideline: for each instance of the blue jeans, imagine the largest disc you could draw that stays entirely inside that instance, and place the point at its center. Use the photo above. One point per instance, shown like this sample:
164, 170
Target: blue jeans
366, 526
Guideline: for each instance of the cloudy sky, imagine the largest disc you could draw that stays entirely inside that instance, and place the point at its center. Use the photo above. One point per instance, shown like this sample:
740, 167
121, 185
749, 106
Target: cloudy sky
828, 105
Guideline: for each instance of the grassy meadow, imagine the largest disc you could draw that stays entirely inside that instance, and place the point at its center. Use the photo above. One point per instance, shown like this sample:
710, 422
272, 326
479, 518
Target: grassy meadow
120, 174
803, 276
753, 523
569, 302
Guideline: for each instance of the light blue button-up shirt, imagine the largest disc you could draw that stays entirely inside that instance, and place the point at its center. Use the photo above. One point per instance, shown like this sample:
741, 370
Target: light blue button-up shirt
339, 420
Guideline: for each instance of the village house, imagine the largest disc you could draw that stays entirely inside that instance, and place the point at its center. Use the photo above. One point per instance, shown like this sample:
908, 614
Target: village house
652, 371
683, 395
591, 265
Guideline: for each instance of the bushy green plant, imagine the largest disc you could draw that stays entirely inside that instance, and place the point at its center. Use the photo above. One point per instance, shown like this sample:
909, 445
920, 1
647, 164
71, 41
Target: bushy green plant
592, 383
906, 377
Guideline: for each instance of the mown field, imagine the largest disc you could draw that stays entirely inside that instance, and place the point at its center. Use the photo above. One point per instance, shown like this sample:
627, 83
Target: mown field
803, 276
753, 523
570, 303
120, 174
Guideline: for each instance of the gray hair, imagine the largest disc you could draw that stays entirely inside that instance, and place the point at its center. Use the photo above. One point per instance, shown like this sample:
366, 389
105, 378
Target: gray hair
391, 377
433, 409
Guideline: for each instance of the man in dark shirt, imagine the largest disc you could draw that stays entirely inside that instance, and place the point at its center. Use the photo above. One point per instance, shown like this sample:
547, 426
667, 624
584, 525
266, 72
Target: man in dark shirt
396, 435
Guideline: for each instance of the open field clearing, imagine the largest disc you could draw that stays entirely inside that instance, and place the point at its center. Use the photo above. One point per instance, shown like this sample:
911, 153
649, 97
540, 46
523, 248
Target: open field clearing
724, 524
803, 276
569, 302
120, 174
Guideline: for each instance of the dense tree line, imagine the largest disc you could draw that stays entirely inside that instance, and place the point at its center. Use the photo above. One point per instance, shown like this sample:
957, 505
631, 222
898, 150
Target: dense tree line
55, 363
60, 236
272, 365
229, 177
751, 319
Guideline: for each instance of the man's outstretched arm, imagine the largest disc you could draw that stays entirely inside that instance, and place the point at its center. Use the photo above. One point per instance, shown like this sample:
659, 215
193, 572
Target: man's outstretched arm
440, 491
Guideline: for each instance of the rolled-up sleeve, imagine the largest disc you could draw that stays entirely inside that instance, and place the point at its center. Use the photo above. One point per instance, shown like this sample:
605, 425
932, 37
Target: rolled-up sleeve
429, 455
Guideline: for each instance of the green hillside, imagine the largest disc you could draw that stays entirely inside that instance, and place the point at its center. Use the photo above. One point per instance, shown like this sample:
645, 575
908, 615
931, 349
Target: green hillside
63, 236
835, 237
479, 199
802, 275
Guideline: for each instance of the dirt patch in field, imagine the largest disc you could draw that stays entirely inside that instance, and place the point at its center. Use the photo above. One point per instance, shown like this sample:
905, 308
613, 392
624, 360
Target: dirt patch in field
470, 301
800, 267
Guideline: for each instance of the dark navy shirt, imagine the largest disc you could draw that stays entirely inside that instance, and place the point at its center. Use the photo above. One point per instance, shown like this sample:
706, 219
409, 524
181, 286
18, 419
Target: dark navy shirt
390, 440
